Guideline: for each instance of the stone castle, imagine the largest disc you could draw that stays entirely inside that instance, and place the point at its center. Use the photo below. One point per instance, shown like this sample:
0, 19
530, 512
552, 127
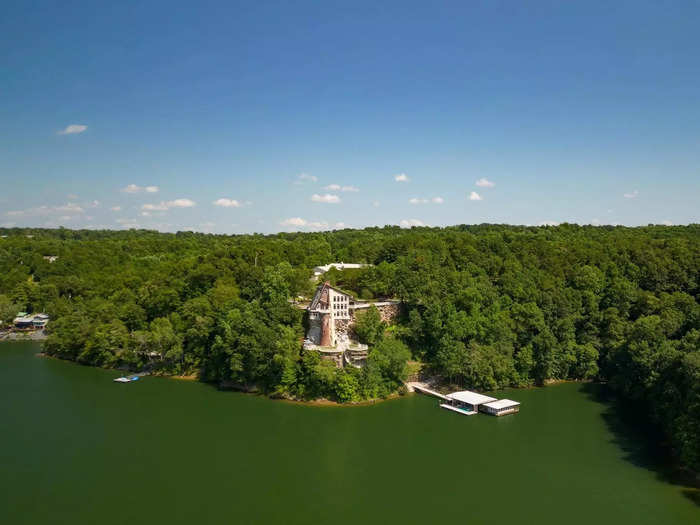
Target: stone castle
331, 320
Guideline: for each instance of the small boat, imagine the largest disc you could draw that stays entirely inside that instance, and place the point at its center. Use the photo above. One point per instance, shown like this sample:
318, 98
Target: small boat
126, 379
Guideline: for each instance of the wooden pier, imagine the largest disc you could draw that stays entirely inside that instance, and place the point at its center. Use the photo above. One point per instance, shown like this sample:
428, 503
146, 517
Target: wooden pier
423, 389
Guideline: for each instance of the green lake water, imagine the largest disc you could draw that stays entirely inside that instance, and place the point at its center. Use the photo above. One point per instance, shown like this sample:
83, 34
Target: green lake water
77, 448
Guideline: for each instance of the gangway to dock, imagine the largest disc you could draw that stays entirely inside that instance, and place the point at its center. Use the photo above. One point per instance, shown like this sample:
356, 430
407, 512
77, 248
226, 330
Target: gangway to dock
423, 389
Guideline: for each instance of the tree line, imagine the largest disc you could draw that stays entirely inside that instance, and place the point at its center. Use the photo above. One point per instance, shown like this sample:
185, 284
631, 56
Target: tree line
484, 306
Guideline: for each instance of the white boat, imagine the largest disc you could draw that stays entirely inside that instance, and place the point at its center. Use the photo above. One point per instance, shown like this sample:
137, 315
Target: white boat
122, 380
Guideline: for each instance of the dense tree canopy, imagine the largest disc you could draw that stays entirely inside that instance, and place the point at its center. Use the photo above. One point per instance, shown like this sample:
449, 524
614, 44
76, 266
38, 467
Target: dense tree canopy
484, 306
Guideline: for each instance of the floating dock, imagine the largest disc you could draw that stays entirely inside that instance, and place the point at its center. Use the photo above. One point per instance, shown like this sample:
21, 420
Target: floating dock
459, 410
469, 403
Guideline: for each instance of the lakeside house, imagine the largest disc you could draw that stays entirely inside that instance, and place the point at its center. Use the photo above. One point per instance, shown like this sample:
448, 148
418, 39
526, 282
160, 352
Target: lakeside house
25, 321
332, 315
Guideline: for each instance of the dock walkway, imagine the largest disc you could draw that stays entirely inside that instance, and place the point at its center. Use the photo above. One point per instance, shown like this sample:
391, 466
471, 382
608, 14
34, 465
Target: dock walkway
415, 386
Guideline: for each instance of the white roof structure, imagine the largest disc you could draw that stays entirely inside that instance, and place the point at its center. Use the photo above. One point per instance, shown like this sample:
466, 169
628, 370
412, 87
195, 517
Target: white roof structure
360, 306
501, 404
473, 398
340, 266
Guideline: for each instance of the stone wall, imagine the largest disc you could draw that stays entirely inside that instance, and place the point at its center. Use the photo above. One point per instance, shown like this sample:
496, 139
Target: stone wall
342, 327
389, 313
336, 359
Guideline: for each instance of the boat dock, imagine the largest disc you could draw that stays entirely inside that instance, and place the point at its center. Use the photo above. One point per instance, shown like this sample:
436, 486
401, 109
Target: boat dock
468, 403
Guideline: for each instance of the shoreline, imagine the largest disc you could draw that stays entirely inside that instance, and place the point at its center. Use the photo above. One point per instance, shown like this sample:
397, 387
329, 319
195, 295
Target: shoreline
14, 337
322, 402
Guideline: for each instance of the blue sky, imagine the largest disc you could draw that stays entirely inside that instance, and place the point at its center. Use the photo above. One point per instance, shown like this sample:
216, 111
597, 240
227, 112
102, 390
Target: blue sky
265, 116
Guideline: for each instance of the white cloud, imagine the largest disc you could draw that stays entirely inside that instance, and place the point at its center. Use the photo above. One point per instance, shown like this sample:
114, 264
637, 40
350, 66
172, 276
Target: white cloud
339, 225
474, 196
46, 210
8, 224
434, 200
164, 206
227, 203
376, 204
155, 207
548, 223
72, 129
298, 222
631, 195
338, 187
294, 221
327, 198
69, 207
667, 223
133, 188
408, 223
305, 177
116, 208
401, 177
180, 203
485, 183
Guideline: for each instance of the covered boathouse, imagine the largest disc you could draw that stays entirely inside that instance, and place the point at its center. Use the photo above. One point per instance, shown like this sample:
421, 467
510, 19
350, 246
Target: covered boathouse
466, 402
500, 407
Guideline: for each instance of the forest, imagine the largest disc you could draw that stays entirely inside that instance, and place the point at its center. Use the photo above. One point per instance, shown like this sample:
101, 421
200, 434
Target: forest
483, 307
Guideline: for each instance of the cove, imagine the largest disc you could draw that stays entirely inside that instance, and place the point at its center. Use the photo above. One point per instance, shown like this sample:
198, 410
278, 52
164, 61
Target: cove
77, 448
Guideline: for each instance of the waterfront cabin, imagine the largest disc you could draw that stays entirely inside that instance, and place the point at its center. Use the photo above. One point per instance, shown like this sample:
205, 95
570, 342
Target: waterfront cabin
501, 407
23, 322
40, 321
466, 402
